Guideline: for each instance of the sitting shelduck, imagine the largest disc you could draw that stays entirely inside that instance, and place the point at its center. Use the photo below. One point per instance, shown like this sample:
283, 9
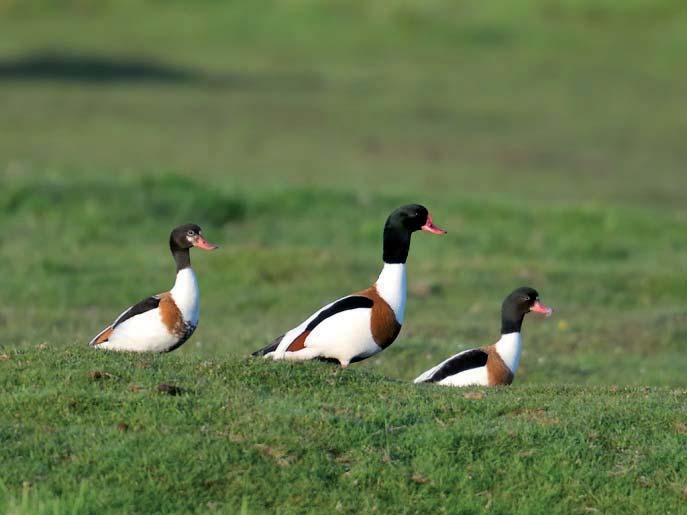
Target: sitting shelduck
163, 322
494, 364
360, 325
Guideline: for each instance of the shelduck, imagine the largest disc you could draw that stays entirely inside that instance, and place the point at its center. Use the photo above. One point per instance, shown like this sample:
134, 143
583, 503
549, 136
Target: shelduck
362, 324
494, 364
165, 321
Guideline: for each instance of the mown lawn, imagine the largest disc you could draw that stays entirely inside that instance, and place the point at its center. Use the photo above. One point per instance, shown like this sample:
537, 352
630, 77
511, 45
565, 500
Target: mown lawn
547, 136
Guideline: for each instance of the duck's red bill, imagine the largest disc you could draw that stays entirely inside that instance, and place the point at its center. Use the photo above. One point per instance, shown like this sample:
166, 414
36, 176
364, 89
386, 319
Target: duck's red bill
204, 244
430, 227
538, 307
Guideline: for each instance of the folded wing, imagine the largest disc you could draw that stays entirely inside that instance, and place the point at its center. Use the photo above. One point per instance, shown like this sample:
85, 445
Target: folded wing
137, 309
461, 362
294, 339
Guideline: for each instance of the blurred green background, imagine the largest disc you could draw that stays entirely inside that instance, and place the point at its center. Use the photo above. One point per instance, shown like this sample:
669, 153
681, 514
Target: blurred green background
547, 136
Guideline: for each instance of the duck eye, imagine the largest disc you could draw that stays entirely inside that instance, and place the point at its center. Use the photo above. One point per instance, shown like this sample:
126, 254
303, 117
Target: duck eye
190, 232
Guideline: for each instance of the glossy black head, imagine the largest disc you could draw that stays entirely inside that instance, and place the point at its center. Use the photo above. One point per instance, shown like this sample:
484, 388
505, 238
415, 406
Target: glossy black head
182, 236
517, 305
410, 218
182, 239
400, 225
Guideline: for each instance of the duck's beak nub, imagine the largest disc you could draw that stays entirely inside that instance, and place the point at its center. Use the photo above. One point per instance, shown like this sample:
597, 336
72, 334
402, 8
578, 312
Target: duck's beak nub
430, 227
538, 307
204, 244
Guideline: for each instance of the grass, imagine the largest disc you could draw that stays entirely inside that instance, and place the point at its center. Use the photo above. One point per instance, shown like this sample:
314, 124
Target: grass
545, 135
263, 437
613, 274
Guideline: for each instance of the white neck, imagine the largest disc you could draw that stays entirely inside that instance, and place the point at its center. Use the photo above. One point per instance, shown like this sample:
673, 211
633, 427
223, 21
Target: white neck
509, 348
186, 295
391, 286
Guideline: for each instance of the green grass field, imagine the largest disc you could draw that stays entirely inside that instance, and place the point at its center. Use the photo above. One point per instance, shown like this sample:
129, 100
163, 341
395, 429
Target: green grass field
547, 136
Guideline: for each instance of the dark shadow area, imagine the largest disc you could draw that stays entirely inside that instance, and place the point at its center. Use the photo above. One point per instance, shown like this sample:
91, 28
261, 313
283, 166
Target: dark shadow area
90, 68
73, 67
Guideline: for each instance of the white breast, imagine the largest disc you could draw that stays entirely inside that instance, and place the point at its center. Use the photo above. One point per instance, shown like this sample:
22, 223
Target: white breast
186, 295
391, 286
509, 348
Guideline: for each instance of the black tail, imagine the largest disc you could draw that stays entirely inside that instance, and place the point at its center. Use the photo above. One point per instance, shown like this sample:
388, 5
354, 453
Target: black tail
270, 348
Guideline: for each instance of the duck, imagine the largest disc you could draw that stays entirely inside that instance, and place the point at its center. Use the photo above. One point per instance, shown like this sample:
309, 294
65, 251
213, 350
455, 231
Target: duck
495, 364
360, 325
162, 322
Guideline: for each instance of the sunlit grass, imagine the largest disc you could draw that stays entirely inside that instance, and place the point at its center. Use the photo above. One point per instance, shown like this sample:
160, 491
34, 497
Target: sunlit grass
546, 136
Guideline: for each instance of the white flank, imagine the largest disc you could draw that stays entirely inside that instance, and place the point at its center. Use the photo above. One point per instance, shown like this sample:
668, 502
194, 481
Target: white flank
186, 295
292, 334
142, 333
95, 338
344, 336
429, 373
509, 348
391, 286
474, 376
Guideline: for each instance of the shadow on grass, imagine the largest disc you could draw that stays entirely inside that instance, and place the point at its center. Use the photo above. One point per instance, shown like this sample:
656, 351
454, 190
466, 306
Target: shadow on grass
92, 68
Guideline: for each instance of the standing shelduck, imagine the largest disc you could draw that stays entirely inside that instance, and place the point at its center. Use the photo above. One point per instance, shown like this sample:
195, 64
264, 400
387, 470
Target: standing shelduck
494, 364
360, 325
163, 322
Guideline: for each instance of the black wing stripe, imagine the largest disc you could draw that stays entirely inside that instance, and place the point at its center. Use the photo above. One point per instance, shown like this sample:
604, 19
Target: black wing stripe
465, 361
352, 302
269, 348
137, 309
